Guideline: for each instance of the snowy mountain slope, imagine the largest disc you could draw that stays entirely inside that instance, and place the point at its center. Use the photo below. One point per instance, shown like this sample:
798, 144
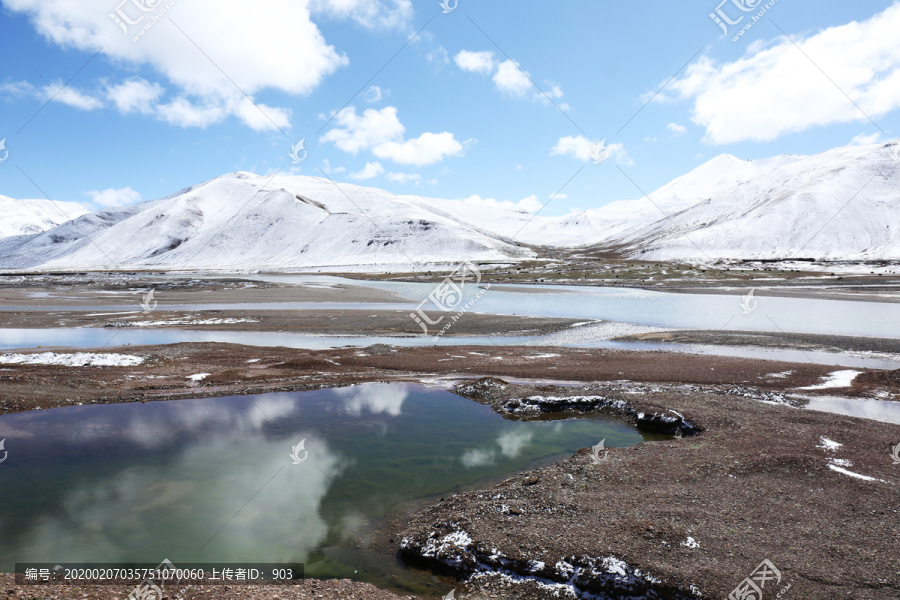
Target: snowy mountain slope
27, 217
233, 222
840, 204
619, 219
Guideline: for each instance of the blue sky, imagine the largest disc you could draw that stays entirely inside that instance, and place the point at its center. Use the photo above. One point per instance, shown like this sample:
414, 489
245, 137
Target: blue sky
212, 88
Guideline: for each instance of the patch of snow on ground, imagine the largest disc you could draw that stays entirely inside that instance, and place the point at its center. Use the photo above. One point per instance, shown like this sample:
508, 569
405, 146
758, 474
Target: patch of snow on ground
198, 376
78, 359
781, 375
852, 474
827, 444
690, 543
837, 379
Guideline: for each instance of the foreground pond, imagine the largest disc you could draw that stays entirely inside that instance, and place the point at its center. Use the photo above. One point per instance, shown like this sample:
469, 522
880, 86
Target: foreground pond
213, 480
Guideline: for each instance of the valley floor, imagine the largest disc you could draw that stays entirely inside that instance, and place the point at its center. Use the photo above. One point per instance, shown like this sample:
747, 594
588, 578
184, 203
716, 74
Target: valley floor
752, 476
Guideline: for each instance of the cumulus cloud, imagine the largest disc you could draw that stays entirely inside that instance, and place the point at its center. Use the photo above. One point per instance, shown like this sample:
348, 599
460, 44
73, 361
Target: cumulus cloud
275, 46
114, 197
775, 89
866, 139
370, 171
57, 92
135, 95
475, 62
382, 132
676, 128
528, 204
404, 178
581, 148
512, 80
372, 14
426, 149
373, 94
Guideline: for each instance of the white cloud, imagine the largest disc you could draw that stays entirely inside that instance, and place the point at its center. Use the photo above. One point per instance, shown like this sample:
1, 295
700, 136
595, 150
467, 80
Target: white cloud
114, 197
551, 95
381, 132
183, 113
372, 14
475, 62
438, 56
57, 92
370, 171
529, 204
361, 132
510, 79
404, 177
776, 89
373, 94
274, 46
865, 139
135, 95
581, 148
426, 149
676, 128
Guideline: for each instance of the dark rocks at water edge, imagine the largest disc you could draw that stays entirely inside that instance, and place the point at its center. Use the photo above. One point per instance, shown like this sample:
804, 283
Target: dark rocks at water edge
812, 493
492, 391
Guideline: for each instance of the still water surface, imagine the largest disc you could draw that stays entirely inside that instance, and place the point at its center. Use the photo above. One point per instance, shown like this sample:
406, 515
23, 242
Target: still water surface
213, 480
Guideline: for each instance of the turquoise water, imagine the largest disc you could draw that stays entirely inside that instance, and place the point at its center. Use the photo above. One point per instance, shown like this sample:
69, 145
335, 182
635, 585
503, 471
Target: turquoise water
213, 480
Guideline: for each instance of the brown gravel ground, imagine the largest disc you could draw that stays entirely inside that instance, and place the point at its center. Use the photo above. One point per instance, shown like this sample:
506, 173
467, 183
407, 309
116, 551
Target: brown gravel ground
753, 485
164, 374
309, 589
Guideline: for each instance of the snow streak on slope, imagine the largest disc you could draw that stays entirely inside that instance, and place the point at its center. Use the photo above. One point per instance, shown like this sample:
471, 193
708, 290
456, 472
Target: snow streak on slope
234, 222
27, 217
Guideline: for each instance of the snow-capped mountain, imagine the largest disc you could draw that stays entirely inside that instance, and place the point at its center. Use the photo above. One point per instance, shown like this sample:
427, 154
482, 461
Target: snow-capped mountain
840, 204
27, 217
245, 221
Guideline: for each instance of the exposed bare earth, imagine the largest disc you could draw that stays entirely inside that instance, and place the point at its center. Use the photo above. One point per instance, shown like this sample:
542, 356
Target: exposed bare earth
749, 478
165, 372
697, 514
